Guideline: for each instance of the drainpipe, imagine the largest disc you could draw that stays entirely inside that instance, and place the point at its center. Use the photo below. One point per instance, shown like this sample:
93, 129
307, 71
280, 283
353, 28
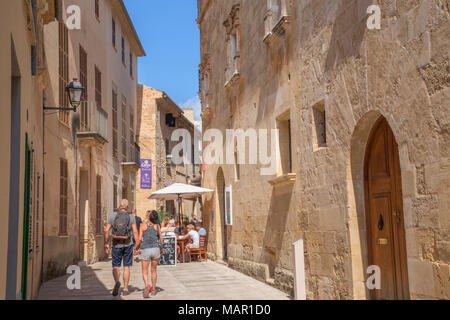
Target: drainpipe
158, 145
43, 186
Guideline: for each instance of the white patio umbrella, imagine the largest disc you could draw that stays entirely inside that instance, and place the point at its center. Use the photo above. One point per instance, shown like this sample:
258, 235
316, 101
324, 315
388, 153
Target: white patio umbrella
179, 191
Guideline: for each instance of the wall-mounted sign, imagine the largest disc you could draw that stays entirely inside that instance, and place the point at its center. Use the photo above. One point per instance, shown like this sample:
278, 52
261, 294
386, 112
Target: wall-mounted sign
146, 174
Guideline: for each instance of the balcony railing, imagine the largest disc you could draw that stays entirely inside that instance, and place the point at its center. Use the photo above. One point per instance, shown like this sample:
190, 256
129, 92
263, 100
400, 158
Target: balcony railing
93, 123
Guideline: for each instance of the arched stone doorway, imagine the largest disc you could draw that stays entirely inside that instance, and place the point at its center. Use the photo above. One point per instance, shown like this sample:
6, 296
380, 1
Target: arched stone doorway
384, 213
220, 210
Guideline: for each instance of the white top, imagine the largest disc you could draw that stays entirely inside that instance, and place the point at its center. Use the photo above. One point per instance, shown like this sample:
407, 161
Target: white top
195, 238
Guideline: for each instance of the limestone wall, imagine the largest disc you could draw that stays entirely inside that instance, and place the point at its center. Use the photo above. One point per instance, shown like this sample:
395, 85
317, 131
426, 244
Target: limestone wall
328, 55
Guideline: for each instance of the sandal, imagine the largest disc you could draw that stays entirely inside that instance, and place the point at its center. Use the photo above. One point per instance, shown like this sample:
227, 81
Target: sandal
147, 291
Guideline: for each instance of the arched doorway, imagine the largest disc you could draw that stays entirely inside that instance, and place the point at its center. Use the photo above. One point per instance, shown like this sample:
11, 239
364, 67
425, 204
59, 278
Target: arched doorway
220, 209
384, 213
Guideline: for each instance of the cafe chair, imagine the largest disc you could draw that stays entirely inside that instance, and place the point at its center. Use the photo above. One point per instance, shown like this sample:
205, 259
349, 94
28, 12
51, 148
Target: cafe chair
200, 251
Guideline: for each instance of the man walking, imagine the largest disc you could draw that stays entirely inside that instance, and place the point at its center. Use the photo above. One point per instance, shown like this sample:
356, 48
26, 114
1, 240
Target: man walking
124, 229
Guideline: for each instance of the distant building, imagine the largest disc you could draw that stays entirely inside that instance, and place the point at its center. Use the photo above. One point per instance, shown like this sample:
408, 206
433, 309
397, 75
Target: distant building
364, 143
158, 118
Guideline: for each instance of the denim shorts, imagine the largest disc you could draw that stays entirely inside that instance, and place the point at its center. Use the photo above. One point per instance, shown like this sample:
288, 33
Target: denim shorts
125, 254
150, 254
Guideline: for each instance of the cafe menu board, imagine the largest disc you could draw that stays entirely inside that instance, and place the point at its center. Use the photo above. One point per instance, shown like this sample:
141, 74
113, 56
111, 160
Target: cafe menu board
169, 256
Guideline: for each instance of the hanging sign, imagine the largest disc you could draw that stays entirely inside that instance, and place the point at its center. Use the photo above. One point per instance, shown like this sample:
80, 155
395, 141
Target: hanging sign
146, 174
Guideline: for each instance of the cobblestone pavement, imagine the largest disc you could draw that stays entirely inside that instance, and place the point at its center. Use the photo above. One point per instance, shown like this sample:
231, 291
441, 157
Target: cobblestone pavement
195, 281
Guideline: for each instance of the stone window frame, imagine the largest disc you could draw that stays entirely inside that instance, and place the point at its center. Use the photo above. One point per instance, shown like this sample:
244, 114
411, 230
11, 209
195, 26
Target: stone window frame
276, 20
205, 81
233, 37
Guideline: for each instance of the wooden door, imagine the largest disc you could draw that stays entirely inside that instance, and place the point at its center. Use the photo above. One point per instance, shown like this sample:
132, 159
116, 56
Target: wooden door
384, 210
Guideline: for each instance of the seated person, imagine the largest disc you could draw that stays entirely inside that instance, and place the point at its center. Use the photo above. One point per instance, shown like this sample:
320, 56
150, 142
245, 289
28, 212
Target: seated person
194, 220
199, 228
177, 227
193, 236
166, 223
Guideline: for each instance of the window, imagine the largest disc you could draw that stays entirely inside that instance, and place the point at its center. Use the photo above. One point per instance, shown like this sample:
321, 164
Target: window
275, 19
113, 32
131, 64
63, 71
98, 212
233, 40
132, 135
63, 186
123, 50
319, 126
167, 145
124, 129
124, 189
285, 143
115, 190
98, 87
97, 9
115, 126
84, 82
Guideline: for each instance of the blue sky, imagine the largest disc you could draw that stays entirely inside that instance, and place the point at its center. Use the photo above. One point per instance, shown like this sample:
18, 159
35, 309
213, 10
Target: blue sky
170, 37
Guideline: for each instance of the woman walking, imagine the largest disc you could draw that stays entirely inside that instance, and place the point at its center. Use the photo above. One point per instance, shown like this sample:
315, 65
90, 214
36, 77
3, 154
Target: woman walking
151, 250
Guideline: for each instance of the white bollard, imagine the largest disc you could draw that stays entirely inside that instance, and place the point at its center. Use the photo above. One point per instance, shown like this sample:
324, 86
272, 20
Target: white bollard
299, 271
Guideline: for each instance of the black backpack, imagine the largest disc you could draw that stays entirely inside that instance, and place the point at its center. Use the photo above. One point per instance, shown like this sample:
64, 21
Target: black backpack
121, 227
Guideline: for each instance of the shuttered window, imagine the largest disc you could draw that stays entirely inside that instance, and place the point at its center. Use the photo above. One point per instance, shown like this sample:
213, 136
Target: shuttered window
132, 157
115, 125
97, 9
84, 115
124, 130
98, 87
98, 212
63, 71
63, 184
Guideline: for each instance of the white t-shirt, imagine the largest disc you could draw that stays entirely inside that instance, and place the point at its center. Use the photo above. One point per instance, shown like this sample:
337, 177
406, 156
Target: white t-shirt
195, 238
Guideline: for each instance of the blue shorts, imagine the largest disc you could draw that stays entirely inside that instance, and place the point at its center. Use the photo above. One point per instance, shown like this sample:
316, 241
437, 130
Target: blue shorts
125, 254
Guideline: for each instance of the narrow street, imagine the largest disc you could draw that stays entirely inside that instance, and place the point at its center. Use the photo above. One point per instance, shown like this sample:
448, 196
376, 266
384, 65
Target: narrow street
195, 281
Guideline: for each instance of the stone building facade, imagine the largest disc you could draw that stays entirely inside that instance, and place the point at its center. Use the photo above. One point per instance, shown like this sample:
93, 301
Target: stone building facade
23, 79
364, 144
158, 117
91, 157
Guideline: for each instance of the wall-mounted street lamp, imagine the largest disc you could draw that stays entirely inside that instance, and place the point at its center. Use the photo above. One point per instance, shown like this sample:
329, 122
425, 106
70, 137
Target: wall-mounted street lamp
75, 91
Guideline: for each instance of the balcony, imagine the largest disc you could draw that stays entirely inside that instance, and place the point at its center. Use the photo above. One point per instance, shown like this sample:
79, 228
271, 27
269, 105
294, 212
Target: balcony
135, 162
93, 125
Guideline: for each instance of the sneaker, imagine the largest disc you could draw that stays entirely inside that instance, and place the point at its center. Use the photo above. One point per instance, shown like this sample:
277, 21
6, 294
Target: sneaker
125, 293
154, 292
147, 291
115, 292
